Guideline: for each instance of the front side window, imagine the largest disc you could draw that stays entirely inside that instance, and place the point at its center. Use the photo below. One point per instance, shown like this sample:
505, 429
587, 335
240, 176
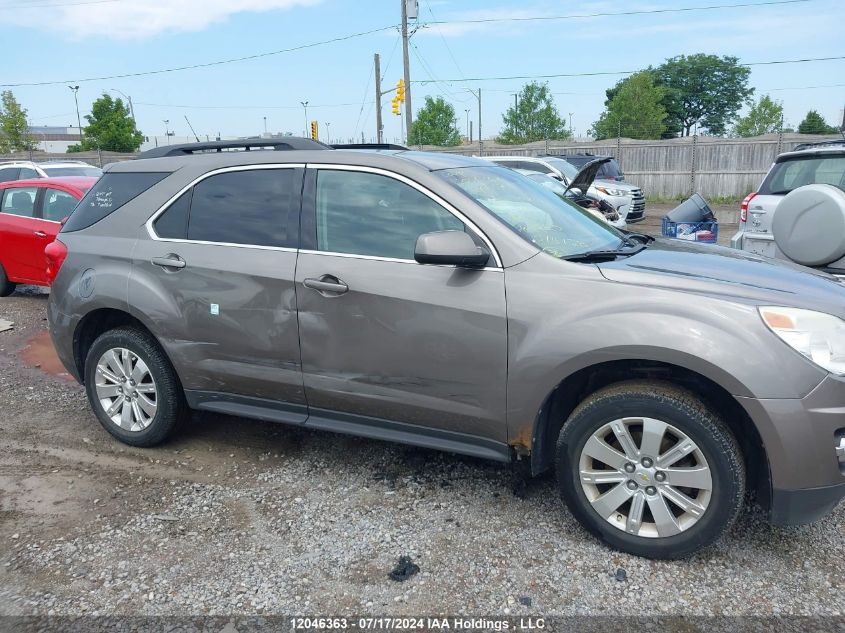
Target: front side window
58, 205
9, 173
534, 212
19, 201
373, 215
249, 207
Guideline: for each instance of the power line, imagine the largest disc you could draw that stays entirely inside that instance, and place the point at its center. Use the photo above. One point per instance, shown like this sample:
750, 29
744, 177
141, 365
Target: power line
542, 18
619, 72
220, 62
244, 107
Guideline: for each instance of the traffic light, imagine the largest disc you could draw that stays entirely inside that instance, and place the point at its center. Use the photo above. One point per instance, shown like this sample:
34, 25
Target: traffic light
395, 103
400, 90
314, 130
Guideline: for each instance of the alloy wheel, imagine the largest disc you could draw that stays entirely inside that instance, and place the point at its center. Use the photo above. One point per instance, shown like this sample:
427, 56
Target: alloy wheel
645, 477
126, 389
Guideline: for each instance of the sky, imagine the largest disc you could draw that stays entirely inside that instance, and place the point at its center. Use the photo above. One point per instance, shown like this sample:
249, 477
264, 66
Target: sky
71, 41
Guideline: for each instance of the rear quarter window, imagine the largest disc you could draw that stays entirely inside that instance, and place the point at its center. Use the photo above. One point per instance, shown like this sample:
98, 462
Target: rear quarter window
111, 191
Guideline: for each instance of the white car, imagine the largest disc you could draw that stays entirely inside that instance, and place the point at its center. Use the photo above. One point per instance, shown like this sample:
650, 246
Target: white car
627, 199
27, 169
611, 216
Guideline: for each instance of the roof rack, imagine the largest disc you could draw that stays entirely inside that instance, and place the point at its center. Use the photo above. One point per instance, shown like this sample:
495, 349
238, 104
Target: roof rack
834, 143
370, 146
188, 149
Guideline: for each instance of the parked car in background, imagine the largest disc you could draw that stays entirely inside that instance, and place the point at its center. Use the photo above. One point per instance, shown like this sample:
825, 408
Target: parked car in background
627, 199
794, 214
31, 212
595, 206
609, 171
27, 169
441, 301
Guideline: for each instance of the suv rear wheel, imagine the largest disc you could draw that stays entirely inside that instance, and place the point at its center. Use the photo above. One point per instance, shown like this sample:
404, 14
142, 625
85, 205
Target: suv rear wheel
133, 388
650, 470
6, 286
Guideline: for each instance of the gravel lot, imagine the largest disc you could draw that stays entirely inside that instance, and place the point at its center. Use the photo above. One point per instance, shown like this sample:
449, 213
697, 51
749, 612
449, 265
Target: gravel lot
244, 517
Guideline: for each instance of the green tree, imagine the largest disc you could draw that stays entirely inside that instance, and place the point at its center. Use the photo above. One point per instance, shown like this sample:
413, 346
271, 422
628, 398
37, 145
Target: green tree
534, 118
14, 130
814, 123
435, 124
764, 117
704, 90
109, 128
635, 109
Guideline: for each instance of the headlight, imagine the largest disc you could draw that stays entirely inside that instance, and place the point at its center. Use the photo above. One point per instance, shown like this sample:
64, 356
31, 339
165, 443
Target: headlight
610, 191
818, 336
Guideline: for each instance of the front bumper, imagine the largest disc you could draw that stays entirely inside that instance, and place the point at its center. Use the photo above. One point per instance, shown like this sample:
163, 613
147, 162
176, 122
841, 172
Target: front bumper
801, 438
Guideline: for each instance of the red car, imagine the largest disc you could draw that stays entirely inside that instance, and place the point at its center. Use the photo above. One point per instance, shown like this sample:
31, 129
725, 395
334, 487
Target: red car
31, 214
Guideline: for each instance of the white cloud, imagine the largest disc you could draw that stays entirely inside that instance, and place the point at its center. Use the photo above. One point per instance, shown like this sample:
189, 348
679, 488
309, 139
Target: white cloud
141, 19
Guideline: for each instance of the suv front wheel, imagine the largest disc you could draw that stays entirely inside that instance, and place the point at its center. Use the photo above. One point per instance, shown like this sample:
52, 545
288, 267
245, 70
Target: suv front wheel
132, 387
650, 469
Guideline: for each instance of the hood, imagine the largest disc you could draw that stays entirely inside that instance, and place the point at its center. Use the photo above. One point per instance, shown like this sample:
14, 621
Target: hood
614, 184
730, 273
587, 174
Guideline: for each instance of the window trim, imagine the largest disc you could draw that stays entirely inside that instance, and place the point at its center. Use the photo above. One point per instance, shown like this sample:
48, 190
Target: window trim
414, 185
222, 170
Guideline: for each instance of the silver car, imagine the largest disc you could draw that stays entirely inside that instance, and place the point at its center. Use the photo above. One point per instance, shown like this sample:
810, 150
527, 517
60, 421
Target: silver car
446, 302
627, 199
804, 191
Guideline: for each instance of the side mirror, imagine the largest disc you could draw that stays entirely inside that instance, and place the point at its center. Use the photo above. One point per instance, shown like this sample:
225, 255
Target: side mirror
451, 248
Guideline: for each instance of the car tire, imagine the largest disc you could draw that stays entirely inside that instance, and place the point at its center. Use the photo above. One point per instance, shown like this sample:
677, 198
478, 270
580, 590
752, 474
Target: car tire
126, 369
6, 286
632, 497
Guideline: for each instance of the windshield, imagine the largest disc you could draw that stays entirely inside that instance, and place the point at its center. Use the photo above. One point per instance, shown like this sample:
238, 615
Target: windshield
82, 170
802, 170
567, 169
546, 220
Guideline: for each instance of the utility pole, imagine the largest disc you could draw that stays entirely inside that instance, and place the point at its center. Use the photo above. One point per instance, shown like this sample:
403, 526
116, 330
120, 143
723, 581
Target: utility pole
477, 95
328, 136
76, 101
570, 124
167, 130
379, 125
128, 100
409, 112
265, 125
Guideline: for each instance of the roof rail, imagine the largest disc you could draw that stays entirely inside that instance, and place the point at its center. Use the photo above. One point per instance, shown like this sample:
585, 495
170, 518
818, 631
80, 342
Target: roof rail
188, 149
833, 143
370, 146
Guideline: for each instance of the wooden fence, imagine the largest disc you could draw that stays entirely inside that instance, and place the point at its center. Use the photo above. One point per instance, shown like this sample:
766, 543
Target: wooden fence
672, 168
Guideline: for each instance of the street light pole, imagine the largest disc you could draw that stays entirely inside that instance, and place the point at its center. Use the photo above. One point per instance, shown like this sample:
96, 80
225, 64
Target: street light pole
305, 105
570, 123
128, 100
167, 130
328, 135
78, 118
469, 140
265, 125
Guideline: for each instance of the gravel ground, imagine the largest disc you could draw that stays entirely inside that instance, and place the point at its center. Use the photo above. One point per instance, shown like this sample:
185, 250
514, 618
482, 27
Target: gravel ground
242, 517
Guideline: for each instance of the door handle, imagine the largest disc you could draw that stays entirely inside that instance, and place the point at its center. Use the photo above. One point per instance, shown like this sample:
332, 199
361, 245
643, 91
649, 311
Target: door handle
326, 284
171, 261
41, 234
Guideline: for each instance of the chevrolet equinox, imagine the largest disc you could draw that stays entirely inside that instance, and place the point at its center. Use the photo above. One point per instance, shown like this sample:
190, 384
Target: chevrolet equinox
445, 302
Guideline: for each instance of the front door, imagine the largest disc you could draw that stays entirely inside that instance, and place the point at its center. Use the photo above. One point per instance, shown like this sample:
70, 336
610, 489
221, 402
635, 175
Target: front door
217, 279
23, 240
384, 338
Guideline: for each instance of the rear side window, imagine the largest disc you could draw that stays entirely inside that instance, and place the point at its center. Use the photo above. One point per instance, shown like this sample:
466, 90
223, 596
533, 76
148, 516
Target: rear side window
27, 173
249, 207
173, 223
58, 205
9, 173
610, 171
19, 201
110, 192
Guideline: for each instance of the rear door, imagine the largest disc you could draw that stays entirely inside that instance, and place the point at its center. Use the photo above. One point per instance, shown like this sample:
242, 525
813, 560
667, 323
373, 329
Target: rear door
23, 239
387, 343
215, 272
